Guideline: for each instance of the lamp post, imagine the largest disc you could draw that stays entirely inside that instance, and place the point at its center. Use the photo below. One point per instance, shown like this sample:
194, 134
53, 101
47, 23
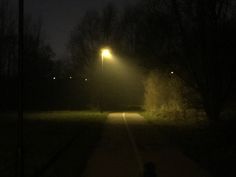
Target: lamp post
105, 54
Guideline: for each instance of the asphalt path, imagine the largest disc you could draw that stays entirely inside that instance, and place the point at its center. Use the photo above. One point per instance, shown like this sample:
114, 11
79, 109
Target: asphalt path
127, 145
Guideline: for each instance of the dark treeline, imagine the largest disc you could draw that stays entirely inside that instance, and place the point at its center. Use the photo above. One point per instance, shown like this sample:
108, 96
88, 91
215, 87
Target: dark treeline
37, 65
36, 51
195, 39
40, 90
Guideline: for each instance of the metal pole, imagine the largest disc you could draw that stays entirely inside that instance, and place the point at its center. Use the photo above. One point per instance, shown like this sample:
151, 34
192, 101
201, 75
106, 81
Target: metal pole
101, 101
102, 63
19, 159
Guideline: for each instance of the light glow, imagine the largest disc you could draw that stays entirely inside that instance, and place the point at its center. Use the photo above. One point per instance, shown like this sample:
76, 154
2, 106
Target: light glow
106, 53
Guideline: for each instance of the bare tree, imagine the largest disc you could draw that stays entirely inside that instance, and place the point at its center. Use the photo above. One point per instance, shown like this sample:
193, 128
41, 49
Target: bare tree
145, 29
204, 49
8, 40
94, 31
37, 53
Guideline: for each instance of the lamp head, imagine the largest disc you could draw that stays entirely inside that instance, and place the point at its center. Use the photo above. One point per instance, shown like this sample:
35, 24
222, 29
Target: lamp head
106, 53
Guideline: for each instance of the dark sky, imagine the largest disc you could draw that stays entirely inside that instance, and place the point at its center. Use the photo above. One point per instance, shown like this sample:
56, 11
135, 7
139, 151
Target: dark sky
60, 16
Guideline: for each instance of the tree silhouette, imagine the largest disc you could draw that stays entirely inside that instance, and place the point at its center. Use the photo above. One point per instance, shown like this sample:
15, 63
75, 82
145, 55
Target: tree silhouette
204, 49
37, 53
195, 38
94, 31
8, 41
37, 62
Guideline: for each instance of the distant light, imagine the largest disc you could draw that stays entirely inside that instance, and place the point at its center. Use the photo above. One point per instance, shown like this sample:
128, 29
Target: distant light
172, 72
85, 79
106, 53
70, 77
54, 78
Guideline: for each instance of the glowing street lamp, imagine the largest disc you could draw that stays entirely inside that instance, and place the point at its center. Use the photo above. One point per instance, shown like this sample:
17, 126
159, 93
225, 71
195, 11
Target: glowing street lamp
105, 54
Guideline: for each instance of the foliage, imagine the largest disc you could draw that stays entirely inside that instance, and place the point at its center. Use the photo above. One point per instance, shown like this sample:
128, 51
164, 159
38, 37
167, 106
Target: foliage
163, 94
198, 46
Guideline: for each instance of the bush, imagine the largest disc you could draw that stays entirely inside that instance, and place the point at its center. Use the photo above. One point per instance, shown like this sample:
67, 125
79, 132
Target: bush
163, 93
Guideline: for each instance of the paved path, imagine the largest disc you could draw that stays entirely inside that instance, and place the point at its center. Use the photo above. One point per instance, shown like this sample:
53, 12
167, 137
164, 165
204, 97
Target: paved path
125, 147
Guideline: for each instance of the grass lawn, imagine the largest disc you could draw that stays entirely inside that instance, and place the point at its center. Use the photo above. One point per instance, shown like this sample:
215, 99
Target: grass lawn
49, 137
212, 147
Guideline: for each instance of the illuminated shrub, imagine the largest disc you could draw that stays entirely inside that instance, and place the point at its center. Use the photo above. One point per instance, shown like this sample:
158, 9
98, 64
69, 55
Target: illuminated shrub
163, 94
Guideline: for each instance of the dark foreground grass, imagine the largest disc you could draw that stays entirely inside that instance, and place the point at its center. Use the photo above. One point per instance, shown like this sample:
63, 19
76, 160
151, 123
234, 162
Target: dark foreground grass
213, 147
55, 143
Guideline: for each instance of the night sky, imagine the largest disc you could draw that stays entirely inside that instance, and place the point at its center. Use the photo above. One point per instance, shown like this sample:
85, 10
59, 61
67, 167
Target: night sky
60, 16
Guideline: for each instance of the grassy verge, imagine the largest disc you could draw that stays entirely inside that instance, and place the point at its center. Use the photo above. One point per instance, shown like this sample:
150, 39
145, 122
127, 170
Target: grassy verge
49, 137
212, 147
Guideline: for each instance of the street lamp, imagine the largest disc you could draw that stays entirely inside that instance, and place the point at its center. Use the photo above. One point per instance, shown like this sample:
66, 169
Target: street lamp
105, 54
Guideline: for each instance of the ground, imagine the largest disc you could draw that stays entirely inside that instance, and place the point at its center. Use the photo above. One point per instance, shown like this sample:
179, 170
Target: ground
72, 143
127, 145
211, 144
48, 138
